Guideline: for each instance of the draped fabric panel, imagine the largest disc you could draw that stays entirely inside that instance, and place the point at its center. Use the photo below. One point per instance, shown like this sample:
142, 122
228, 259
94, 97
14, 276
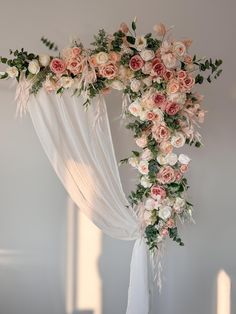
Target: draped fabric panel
79, 146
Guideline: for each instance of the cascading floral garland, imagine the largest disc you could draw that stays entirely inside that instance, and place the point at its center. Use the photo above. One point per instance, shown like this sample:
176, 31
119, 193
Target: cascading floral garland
157, 76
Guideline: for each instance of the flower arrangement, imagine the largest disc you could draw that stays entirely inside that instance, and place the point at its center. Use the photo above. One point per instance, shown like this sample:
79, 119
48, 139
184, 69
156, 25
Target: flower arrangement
157, 75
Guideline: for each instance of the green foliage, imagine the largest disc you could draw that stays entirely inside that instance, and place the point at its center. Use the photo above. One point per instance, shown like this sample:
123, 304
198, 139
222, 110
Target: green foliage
118, 41
49, 44
173, 234
38, 81
137, 127
125, 58
100, 42
138, 195
172, 121
208, 66
151, 234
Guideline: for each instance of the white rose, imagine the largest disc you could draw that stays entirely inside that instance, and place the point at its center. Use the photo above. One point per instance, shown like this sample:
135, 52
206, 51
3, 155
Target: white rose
66, 82
184, 159
34, 67
151, 204
168, 202
179, 48
165, 212
12, 72
171, 159
44, 59
143, 114
161, 159
180, 98
146, 154
169, 60
133, 161
145, 182
102, 57
147, 54
178, 140
140, 43
143, 167
147, 216
135, 108
135, 85
117, 85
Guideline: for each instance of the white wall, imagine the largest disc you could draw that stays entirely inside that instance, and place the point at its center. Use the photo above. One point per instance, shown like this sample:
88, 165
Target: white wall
34, 208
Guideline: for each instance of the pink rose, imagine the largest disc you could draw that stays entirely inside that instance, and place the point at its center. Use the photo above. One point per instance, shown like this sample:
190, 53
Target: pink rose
108, 70
57, 66
160, 132
158, 67
172, 108
124, 28
182, 74
141, 141
75, 66
166, 175
157, 192
146, 154
136, 63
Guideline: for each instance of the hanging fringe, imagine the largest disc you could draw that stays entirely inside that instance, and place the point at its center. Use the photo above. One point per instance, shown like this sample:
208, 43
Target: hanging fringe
22, 95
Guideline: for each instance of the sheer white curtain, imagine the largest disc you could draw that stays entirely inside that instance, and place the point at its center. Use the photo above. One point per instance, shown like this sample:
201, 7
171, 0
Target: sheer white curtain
80, 149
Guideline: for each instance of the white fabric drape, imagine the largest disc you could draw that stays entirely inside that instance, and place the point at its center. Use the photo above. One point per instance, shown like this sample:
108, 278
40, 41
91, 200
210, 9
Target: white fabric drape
80, 149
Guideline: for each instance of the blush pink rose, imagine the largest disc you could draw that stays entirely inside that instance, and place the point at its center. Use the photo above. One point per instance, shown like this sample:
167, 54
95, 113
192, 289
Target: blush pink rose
124, 28
108, 70
166, 175
158, 192
136, 63
159, 99
178, 176
172, 86
57, 66
142, 141
160, 133
172, 108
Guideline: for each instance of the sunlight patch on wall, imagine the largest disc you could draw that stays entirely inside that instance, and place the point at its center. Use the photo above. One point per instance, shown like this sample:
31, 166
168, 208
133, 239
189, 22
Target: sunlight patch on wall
223, 293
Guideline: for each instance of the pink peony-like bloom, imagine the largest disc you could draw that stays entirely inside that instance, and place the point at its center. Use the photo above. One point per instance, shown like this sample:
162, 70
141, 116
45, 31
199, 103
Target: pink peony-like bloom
172, 108
124, 28
159, 99
114, 57
158, 67
57, 66
157, 192
108, 70
166, 175
136, 63
160, 133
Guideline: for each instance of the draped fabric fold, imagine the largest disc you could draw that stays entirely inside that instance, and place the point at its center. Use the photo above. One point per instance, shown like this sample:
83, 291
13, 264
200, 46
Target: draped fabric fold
79, 146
